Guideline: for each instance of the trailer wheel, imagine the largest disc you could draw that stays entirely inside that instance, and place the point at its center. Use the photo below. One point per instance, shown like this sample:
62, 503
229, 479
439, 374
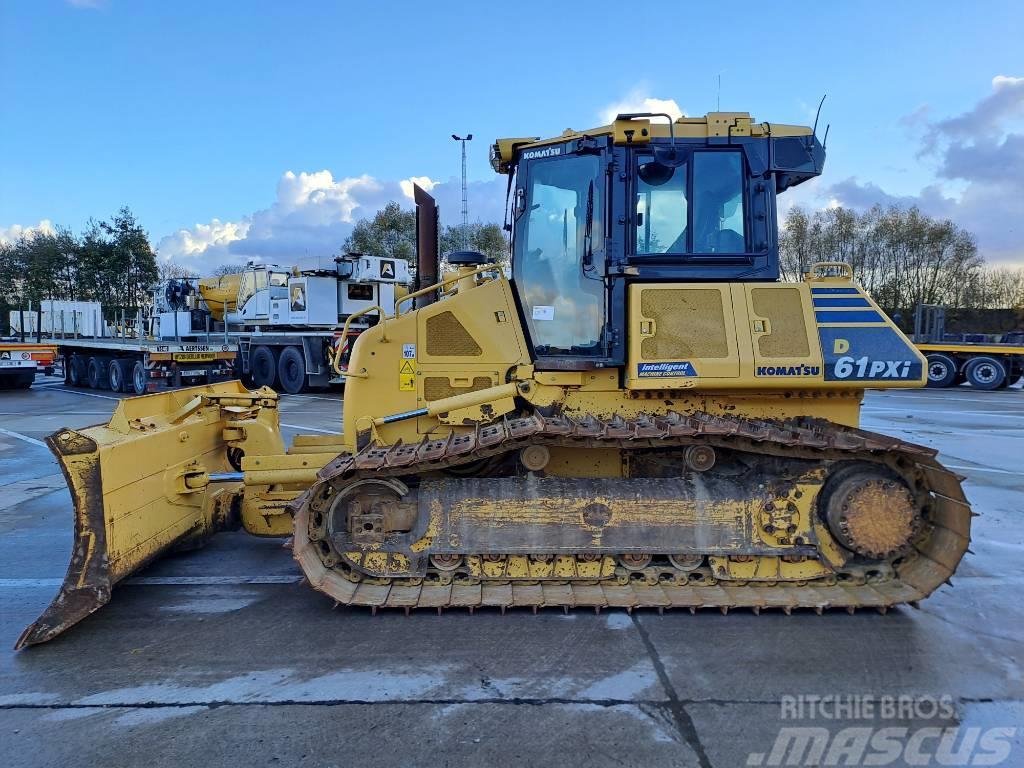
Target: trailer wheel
74, 373
121, 375
986, 373
942, 370
291, 370
115, 375
97, 373
263, 364
140, 377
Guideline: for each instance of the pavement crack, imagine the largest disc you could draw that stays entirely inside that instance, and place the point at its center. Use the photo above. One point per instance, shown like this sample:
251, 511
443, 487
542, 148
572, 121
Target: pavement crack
653, 704
683, 722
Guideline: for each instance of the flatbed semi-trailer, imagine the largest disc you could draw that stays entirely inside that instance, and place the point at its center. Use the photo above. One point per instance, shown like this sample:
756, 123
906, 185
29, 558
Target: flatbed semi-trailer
145, 365
985, 366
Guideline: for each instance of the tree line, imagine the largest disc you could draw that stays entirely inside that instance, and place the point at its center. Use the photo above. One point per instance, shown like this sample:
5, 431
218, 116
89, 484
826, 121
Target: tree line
111, 262
901, 256
391, 233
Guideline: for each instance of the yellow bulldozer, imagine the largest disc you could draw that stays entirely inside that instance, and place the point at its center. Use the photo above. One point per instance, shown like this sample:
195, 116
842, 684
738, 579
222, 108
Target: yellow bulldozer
642, 416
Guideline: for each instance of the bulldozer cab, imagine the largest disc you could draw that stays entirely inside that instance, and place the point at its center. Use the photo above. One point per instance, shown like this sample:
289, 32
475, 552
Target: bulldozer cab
638, 202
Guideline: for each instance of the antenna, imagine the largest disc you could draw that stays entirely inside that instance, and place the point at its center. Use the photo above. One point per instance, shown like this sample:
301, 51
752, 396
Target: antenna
814, 131
719, 107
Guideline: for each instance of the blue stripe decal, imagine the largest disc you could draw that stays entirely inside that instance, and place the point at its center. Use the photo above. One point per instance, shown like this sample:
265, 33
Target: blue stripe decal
832, 291
853, 316
842, 301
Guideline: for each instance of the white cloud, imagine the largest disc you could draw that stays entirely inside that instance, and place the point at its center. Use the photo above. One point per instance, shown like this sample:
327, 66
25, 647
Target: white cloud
90, 4
17, 231
313, 213
637, 101
187, 243
423, 181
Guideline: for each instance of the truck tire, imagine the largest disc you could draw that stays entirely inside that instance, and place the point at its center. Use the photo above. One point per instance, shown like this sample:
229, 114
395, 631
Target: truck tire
942, 370
97, 373
291, 370
263, 365
140, 377
74, 375
985, 373
119, 372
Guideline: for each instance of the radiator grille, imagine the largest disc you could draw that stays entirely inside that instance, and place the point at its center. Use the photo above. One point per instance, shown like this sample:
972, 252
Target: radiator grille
689, 323
439, 387
447, 337
784, 310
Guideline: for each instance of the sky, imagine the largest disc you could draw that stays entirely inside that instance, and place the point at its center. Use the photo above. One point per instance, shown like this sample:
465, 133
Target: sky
266, 129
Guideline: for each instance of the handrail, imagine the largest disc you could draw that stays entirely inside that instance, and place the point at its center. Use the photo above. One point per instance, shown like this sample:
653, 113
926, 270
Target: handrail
336, 361
815, 270
453, 279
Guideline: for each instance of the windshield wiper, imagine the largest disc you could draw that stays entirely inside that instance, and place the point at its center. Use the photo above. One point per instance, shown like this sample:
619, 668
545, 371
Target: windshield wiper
588, 232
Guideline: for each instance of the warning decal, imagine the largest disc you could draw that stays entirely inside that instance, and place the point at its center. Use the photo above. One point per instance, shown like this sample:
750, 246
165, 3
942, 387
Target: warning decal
406, 376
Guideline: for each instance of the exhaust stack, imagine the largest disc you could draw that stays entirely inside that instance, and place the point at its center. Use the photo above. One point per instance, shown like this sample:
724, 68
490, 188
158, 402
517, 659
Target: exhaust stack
428, 266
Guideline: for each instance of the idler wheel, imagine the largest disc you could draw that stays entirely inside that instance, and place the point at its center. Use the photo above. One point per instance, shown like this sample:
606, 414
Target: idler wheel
870, 511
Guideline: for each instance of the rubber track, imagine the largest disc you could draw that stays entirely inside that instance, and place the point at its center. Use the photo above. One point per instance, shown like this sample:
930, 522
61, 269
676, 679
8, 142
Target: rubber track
936, 557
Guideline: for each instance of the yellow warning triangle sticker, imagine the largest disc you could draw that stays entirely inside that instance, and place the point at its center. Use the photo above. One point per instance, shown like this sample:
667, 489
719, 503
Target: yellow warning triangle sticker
406, 367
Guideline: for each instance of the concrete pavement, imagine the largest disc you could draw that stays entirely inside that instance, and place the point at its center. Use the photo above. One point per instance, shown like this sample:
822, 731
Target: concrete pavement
220, 657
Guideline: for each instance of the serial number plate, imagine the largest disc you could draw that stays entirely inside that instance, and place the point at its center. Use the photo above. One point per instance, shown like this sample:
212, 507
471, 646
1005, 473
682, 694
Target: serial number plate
193, 357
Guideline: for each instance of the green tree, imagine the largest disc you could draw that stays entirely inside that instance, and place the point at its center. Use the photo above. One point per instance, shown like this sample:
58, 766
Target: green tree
391, 233
488, 239
9, 273
132, 268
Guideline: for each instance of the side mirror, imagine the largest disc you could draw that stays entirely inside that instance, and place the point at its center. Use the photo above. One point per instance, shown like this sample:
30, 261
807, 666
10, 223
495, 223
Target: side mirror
519, 207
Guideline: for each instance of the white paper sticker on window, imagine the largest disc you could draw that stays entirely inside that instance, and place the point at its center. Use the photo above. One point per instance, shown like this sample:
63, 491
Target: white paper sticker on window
409, 351
541, 312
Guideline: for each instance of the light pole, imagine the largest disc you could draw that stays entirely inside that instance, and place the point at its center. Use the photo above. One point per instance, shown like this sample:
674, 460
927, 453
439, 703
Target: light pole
465, 202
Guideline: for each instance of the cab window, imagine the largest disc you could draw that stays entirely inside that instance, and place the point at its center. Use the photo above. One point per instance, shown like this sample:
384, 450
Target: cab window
718, 223
279, 285
246, 287
661, 208
696, 207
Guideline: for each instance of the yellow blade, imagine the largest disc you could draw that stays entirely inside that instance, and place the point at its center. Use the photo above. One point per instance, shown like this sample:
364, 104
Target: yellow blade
130, 483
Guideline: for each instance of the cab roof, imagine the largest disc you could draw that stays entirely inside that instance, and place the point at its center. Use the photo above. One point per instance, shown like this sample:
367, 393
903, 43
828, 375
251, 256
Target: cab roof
638, 130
